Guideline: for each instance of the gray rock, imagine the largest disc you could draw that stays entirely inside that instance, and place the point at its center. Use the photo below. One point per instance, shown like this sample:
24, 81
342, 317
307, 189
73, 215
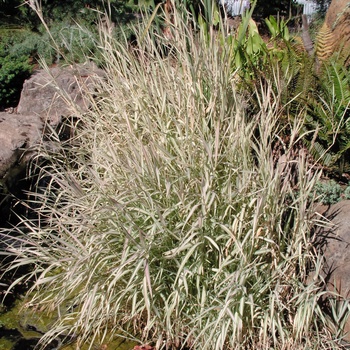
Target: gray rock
51, 94
47, 96
17, 133
336, 245
335, 248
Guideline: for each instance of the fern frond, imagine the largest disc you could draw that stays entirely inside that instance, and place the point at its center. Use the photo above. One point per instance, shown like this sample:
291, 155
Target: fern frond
324, 43
320, 153
338, 78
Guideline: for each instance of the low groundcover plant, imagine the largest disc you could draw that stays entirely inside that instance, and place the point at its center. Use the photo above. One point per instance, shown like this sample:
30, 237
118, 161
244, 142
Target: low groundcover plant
167, 218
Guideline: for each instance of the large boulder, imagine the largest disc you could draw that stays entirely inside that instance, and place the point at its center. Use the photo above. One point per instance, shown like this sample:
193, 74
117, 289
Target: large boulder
334, 36
338, 13
17, 132
50, 93
46, 97
334, 241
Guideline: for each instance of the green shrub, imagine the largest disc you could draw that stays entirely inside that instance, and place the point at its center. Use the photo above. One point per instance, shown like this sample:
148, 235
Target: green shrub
167, 217
13, 72
14, 66
20, 47
73, 41
329, 192
347, 193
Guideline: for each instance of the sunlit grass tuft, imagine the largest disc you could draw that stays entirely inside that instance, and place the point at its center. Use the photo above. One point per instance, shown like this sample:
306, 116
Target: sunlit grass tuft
168, 218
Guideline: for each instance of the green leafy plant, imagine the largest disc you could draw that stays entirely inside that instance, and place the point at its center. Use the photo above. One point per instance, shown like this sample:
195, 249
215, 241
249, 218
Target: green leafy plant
15, 67
13, 72
167, 217
329, 192
280, 62
347, 192
329, 114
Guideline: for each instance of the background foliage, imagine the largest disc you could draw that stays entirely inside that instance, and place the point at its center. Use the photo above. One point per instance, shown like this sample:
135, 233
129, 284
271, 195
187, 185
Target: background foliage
63, 18
14, 66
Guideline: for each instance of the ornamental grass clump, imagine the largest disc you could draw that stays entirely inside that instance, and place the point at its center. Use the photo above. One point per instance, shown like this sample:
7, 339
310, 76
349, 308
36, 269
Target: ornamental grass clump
167, 217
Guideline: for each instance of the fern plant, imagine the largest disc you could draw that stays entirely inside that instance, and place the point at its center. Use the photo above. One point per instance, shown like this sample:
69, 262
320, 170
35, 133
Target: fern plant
280, 63
325, 43
328, 112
